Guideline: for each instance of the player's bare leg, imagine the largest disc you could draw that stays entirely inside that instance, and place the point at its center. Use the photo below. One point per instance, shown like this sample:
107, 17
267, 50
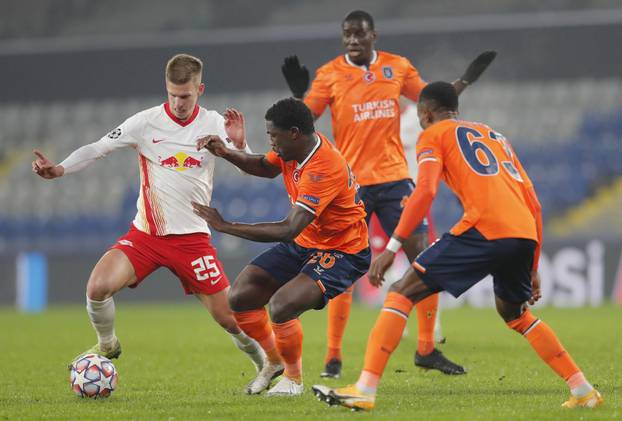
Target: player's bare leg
426, 356
544, 341
218, 306
248, 297
113, 272
295, 297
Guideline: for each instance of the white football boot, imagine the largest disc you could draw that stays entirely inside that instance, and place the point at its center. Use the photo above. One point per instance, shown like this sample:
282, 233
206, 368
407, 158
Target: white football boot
261, 382
286, 387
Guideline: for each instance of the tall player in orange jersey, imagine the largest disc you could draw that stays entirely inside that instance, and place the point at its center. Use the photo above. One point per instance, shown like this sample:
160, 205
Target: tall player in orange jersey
363, 89
499, 234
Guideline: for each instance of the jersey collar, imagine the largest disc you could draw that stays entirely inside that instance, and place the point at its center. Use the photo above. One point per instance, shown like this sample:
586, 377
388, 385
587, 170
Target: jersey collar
315, 148
194, 115
374, 57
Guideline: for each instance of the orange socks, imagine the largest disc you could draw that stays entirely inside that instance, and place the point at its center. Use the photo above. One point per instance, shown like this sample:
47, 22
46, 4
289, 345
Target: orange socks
289, 344
256, 324
545, 343
426, 316
383, 339
338, 314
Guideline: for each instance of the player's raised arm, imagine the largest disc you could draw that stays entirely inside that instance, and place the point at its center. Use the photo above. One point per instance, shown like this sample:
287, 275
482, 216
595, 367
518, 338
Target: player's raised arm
475, 70
253, 164
266, 232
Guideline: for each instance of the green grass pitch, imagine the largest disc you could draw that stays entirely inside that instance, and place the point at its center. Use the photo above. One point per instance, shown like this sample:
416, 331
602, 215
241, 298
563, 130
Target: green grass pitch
177, 364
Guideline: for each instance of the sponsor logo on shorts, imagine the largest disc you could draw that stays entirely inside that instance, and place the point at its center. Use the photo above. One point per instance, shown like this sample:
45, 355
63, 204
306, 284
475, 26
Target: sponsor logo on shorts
215, 281
126, 243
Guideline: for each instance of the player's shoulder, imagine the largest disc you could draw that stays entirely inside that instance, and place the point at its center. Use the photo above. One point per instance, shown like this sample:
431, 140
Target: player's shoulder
384, 57
210, 119
334, 65
438, 130
210, 115
327, 159
149, 113
143, 117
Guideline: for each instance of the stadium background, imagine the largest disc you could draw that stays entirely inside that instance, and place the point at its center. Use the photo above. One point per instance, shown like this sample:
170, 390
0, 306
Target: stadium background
70, 71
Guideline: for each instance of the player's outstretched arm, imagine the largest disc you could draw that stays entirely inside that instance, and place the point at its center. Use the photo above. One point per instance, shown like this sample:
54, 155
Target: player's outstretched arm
296, 76
45, 168
253, 164
475, 70
266, 232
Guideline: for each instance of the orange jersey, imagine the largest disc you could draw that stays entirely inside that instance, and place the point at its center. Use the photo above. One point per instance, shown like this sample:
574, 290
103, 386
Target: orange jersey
324, 185
365, 111
479, 165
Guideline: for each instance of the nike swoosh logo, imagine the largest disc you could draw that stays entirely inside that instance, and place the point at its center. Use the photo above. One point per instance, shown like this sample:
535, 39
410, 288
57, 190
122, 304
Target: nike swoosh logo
216, 281
157, 140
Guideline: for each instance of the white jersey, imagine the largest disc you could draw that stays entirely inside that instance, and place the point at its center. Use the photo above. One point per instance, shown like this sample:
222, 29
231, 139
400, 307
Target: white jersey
172, 172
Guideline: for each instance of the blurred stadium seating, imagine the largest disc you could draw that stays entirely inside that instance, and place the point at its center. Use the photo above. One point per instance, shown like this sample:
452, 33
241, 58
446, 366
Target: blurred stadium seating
566, 133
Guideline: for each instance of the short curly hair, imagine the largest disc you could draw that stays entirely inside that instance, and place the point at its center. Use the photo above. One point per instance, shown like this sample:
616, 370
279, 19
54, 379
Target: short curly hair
290, 112
359, 16
442, 94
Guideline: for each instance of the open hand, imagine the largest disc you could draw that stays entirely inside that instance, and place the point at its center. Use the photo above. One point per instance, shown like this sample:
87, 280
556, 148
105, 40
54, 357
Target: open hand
379, 266
234, 126
211, 215
46, 168
296, 76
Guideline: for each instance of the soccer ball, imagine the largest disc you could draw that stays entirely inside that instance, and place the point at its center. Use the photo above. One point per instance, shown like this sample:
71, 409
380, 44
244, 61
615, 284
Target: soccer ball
93, 376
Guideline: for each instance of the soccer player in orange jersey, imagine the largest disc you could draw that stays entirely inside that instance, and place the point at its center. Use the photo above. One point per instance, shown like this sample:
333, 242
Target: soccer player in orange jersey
323, 247
500, 235
363, 89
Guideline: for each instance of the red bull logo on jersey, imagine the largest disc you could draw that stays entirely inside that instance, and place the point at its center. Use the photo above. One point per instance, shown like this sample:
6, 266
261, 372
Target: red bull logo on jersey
180, 162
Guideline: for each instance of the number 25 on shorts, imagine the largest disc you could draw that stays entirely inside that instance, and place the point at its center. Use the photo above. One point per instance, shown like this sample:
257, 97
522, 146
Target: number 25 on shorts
205, 268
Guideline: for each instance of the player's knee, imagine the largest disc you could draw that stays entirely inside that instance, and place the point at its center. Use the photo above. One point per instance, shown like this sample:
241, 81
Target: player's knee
281, 311
509, 311
236, 298
99, 288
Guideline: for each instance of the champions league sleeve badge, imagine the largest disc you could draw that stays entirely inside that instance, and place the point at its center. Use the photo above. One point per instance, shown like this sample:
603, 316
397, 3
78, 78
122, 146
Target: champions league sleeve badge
115, 134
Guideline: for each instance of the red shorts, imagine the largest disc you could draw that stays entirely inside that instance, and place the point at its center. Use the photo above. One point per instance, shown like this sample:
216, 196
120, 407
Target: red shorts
189, 256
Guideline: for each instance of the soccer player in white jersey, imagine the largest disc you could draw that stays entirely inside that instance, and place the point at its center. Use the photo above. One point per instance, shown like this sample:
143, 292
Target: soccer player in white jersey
165, 232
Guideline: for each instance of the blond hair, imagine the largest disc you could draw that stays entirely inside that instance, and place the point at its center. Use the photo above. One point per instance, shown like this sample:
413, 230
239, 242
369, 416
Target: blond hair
182, 68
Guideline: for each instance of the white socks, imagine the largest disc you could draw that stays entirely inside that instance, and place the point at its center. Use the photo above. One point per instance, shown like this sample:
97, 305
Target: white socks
579, 386
250, 348
102, 315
